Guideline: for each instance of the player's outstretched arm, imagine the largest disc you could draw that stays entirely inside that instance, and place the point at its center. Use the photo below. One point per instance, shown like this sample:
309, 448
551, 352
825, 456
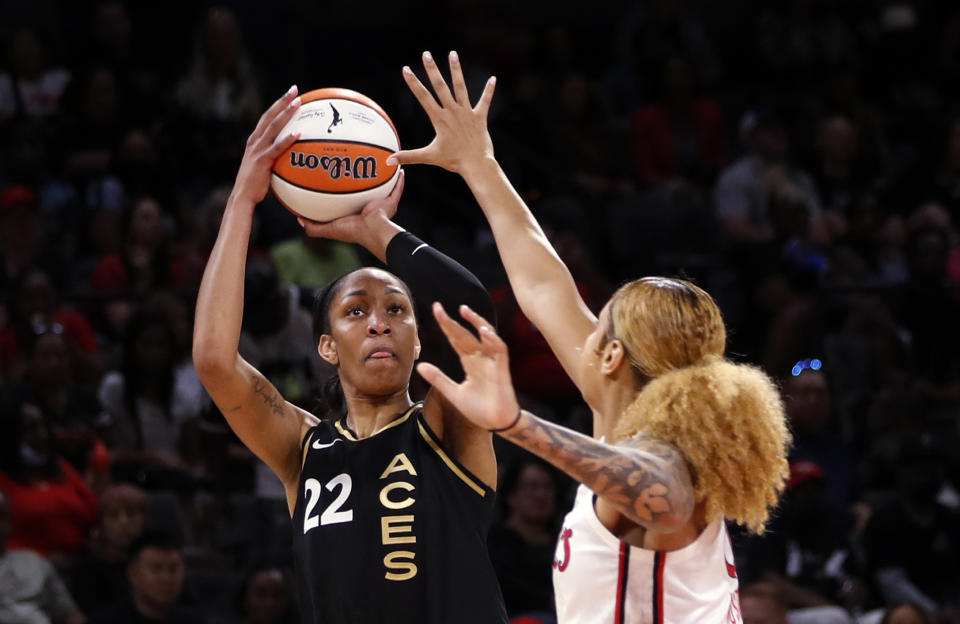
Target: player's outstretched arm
261, 418
543, 285
646, 480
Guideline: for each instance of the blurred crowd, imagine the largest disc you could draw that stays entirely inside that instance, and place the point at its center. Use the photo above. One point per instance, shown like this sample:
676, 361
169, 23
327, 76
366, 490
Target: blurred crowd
800, 159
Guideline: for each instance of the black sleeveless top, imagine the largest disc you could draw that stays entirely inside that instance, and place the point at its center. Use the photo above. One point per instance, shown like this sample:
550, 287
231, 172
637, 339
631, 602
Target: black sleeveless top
391, 529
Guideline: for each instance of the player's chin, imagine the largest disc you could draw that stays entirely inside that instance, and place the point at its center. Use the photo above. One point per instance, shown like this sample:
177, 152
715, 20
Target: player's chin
386, 377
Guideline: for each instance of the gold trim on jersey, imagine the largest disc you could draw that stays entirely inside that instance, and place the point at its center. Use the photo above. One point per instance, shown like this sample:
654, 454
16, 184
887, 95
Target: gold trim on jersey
393, 423
449, 462
306, 449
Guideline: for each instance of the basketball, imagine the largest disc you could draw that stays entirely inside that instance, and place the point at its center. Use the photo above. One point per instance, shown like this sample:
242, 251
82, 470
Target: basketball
338, 164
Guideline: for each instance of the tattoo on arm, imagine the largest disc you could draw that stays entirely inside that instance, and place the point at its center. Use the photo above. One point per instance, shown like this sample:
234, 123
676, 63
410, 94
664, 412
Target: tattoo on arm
646, 479
268, 395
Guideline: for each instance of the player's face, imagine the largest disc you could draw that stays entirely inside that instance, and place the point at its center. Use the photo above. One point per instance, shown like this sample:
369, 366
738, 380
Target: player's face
374, 333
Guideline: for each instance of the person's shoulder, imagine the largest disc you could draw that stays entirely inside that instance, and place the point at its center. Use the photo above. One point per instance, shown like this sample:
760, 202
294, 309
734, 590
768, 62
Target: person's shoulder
21, 558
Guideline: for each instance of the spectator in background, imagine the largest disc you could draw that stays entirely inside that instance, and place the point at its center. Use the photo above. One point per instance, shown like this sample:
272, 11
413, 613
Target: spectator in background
22, 238
35, 305
221, 83
156, 571
150, 399
50, 383
927, 309
680, 135
31, 88
265, 597
805, 554
741, 196
113, 42
100, 576
870, 251
837, 172
94, 123
52, 506
277, 336
912, 545
809, 404
798, 39
313, 262
31, 592
760, 603
146, 262
522, 546
138, 166
652, 32
583, 141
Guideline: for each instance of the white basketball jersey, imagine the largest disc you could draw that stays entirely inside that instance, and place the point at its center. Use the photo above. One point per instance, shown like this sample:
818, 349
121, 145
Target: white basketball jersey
600, 580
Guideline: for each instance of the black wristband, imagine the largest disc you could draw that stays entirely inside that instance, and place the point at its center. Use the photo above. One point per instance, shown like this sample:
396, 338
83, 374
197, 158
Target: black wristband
511, 425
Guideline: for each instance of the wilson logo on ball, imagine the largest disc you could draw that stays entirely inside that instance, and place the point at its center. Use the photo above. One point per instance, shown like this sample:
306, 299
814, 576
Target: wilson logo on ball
339, 163
360, 168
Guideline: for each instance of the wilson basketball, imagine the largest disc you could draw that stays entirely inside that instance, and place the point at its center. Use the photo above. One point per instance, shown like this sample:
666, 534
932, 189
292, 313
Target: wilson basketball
338, 164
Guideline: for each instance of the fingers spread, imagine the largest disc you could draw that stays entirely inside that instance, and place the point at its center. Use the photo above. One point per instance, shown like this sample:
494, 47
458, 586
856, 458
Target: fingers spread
429, 105
488, 335
436, 79
273, 111
462, 341
483, 106
459, 84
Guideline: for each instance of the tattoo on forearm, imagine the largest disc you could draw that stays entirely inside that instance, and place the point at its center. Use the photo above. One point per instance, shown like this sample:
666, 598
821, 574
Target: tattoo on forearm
268, 395
645, 478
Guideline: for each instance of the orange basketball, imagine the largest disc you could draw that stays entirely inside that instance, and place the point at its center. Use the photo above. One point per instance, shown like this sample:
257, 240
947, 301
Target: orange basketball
338, 164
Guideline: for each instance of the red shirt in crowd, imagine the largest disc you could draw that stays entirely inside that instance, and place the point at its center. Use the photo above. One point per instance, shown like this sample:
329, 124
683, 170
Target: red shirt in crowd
653, 141
50, 516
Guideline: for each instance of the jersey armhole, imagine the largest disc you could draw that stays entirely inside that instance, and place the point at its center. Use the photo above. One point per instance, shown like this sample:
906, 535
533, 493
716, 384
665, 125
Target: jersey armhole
455, 467
303, 446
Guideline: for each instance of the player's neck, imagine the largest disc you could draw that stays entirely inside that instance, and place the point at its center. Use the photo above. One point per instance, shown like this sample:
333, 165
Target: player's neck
617, 397
368, 415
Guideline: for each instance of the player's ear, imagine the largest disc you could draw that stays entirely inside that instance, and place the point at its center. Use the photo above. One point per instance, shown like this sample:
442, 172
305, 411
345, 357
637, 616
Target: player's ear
613, 357
327, 348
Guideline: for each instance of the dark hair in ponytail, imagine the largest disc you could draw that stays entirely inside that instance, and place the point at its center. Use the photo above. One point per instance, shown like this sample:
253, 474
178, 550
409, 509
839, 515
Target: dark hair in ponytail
328, 394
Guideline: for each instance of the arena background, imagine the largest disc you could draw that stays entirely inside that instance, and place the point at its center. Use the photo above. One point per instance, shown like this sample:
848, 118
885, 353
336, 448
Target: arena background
800, 159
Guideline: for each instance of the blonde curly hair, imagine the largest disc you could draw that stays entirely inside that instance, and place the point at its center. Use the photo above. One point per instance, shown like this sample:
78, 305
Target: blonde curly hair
727, 419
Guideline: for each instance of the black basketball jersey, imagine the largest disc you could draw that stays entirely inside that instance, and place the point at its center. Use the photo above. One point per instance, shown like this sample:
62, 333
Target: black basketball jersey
391, 529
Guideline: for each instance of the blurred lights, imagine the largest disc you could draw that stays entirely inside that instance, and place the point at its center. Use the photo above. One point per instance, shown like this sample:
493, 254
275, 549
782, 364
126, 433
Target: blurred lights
812, 363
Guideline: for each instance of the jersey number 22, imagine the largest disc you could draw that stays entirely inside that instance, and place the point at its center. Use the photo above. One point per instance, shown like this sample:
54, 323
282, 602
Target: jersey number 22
332, 514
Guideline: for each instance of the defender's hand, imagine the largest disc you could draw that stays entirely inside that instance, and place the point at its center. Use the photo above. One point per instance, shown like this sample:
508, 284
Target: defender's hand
486, 397
462, 139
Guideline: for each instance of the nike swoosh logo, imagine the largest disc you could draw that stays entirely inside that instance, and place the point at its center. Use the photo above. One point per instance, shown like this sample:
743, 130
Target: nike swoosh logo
419, 247
319, 446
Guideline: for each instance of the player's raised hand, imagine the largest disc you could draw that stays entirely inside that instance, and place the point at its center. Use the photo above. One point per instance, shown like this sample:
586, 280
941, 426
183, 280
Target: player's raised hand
486, 396
264, 146
462, 138
358, 228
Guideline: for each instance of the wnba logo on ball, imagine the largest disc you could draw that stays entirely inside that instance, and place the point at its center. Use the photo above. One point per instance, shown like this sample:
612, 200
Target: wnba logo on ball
361, 167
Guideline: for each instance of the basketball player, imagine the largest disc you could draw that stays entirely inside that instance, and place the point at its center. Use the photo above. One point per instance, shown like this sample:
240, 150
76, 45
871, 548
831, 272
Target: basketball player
390, 499
682, 438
